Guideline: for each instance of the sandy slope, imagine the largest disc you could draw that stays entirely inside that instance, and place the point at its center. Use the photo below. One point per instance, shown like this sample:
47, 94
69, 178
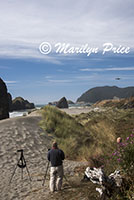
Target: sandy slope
24, 133
69, 111
20, 133
77, 111
72, 110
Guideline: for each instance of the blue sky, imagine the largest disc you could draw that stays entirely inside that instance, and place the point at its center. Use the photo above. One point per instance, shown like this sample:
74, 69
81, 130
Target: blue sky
43, 78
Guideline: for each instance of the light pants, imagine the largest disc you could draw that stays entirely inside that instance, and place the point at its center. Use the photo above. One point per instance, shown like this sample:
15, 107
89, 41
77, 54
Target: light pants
56, 176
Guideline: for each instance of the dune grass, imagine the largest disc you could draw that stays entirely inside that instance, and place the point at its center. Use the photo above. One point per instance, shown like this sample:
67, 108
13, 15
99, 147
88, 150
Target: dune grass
69, 133
87, 135
92, 136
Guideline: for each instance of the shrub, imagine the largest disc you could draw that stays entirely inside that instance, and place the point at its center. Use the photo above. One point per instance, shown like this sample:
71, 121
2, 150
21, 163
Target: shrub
123, 159
126, 154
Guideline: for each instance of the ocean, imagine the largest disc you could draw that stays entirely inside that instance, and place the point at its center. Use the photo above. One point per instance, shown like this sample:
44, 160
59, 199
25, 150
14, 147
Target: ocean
23, 112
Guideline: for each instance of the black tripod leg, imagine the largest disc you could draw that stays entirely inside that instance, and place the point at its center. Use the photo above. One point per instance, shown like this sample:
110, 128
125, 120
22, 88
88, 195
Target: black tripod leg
27, 169
13, 173
21, 173
28, 173
45, 174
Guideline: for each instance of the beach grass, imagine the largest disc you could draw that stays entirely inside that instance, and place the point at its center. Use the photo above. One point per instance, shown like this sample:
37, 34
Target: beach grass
89, 134
68, 132
92, 137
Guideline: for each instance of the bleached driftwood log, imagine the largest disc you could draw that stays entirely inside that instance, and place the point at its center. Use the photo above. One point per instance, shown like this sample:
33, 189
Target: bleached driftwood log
109, 184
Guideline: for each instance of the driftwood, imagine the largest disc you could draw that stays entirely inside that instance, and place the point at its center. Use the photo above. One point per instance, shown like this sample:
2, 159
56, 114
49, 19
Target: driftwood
108, 184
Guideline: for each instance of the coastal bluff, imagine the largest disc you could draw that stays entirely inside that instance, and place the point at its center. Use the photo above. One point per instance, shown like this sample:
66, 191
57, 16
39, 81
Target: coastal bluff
106, 92
4, 104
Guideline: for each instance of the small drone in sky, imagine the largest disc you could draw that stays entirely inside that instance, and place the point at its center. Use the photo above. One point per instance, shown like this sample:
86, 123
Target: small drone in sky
117, 78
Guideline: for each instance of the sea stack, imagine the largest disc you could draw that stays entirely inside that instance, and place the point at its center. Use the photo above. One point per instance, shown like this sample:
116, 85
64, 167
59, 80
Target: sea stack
21, 104
4, 101
62, 103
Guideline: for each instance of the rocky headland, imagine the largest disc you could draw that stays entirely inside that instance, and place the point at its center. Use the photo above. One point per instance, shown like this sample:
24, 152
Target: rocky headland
4, 104
20, 104
106, 92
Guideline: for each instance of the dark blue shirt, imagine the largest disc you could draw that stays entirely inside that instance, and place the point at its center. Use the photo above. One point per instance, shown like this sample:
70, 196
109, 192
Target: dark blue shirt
55, 156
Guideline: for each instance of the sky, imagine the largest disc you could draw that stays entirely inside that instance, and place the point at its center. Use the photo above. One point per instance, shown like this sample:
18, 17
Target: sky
41, 77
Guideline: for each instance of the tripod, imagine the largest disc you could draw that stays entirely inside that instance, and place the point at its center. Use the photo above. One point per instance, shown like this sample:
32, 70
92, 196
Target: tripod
45, 174
21, 164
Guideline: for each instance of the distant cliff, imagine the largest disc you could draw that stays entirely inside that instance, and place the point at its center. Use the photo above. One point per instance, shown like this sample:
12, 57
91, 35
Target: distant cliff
107, 92
4, 105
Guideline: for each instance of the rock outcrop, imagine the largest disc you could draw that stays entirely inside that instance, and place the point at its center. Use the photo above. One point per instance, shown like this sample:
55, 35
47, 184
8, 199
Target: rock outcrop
107, 92
20, 104
108, 184
54, 103
62, 103
4, 105
10, 101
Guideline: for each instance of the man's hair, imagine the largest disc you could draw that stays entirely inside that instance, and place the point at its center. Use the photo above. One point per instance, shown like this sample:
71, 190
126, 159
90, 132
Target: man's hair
55, 145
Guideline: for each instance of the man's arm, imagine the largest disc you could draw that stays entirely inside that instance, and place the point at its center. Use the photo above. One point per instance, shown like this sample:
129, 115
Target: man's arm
62, 155
48, 155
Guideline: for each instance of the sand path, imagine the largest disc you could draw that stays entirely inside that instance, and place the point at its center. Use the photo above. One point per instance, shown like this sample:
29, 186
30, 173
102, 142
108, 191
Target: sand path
24, 133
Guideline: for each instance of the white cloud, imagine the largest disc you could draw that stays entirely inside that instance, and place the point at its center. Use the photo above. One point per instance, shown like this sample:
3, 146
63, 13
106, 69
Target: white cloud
60, 81
108, 69
25, 50
10, 82
121, 69
92, 69
25, 24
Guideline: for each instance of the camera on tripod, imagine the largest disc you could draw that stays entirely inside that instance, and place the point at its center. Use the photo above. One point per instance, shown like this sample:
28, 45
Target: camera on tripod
21, 164
20, 150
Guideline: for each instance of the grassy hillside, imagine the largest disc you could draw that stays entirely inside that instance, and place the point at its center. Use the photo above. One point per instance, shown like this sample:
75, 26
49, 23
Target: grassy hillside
69, 133
92, 137
117, 103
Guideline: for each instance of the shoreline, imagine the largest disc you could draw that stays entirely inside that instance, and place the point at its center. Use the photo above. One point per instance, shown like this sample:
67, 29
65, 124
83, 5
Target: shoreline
69, 111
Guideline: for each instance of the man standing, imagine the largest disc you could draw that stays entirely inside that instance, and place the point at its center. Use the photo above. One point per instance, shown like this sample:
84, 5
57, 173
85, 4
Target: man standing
56, 156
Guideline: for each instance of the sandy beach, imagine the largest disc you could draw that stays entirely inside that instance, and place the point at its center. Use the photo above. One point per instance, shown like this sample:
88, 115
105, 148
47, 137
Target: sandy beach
79, 110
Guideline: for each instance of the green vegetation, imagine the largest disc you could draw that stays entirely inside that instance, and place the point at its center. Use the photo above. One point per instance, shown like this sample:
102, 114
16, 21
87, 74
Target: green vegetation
122, 158
92, 137
69, 133
117, 103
